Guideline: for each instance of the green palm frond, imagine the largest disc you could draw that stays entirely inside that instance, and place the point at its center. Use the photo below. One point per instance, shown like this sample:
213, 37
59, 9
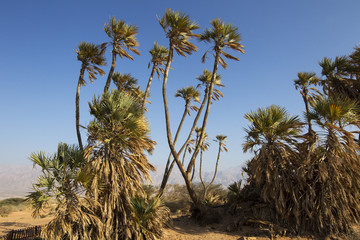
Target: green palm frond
222, 35
189, 94
91, 56
159, 56
328, 112
179, 29
270, 125
305, 79
205, 80
151, 215
122, 36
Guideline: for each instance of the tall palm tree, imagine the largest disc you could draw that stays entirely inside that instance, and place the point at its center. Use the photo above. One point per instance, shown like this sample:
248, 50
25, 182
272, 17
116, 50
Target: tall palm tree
122, 36
304, 81
332, 174
179, 29
159, 56
91, 57
118, 142
62, 180
221, 35
271, 136
189, 94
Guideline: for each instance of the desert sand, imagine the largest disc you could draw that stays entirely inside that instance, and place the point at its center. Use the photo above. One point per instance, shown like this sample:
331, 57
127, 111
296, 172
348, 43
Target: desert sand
183, 228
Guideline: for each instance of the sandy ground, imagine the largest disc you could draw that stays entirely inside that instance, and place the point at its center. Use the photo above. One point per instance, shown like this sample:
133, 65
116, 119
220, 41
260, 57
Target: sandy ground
19, 220
183, 228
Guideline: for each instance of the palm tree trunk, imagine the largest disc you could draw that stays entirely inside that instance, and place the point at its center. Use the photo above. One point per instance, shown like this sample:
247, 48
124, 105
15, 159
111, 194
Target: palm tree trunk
77, 103
148, 85
203, 128
200, 174
186, 177
163, 184
111, 71
307, 112
169, 169
216, 169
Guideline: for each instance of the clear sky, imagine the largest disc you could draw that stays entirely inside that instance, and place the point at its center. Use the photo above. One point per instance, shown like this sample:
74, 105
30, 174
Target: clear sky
39, 70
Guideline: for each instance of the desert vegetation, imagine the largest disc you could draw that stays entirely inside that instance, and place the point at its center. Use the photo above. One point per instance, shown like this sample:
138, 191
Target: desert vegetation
304, 176
10, 205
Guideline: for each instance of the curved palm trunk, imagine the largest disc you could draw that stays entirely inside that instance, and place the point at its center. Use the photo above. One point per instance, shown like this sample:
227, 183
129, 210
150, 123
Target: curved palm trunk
197, 148
186, 176
168, 169
148, 85
77, 103
200, 174
206, 188
163, 184
111, 71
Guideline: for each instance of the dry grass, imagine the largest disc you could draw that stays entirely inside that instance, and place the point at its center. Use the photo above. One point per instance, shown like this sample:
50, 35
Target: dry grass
10, 205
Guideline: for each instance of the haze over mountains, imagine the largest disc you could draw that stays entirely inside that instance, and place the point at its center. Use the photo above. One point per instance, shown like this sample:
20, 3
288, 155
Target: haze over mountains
16, 180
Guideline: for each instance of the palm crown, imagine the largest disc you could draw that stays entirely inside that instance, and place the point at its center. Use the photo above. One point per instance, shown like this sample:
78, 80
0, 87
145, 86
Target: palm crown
159, 55
122, 35
189, 94
205, 79
91, 56
223, 35
270, 125
327, 112
305, 79
178, 28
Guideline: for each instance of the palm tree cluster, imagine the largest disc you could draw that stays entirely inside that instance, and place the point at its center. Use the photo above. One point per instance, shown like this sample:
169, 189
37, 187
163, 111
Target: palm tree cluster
179, 29
311, 180
99, 189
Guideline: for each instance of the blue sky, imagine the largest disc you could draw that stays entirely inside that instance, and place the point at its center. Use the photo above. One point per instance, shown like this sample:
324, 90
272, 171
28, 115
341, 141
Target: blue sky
39, 69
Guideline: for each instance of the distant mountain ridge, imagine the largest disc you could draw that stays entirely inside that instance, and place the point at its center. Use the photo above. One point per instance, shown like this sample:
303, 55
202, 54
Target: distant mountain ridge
16, 180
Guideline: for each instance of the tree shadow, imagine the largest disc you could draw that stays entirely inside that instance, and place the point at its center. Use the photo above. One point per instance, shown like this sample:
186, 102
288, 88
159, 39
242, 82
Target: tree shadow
14, 224
186, 225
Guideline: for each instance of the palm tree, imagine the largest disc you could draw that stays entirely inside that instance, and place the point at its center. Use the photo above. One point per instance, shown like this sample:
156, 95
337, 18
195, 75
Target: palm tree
91, 57
271, 136
179, 29
118, 140
62, 180
159, 56
222, 35
123, 36
305, 79
332, 174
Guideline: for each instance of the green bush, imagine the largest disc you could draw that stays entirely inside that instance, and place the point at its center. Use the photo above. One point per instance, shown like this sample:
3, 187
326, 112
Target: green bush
12, 205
